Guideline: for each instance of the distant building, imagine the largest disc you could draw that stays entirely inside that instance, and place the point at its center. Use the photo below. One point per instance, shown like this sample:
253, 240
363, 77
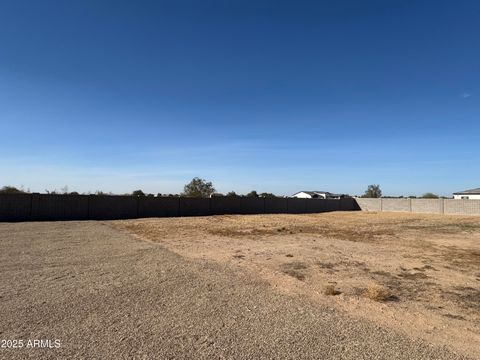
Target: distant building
317, 195
473, 194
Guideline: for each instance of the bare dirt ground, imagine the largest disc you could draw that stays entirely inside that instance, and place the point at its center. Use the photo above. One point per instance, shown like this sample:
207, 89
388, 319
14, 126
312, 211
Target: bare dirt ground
418, 275
105, 294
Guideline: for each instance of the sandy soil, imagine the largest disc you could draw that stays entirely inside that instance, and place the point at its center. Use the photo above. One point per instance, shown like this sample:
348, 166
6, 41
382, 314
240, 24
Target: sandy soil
104, 294
429, 265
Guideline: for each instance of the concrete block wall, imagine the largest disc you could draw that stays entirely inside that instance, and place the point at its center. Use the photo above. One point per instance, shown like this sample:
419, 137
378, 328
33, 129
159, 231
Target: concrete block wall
348, 204
470, 207
252, 205
40, 207
276, 206
225, 205
194, 207
106, 207
158, 207
296, 206
369, 204
401, 205
58, 207
426, 206
429, 206
15, 207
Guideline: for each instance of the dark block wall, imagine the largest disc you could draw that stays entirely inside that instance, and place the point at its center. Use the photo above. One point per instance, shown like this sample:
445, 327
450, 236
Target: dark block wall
194, 207
39, 207
332, 204
297, 206
276, 205
15, 207
252, 205
225, 205
315, 206
158, 207
59, 207
105, 207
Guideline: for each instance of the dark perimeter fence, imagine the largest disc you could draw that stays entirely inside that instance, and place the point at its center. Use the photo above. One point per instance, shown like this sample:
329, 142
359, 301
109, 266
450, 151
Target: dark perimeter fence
44, 207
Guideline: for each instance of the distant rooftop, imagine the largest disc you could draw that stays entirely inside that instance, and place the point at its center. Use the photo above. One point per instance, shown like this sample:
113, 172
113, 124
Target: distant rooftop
312, 192
318, 192
468, 192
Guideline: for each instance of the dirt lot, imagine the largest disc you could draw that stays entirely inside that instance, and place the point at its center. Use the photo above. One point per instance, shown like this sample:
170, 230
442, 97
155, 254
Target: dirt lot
241, 287
416, 274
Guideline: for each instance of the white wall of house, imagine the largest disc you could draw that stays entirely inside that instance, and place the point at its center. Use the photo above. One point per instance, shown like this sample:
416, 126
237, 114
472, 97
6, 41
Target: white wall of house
467, 196
303, 195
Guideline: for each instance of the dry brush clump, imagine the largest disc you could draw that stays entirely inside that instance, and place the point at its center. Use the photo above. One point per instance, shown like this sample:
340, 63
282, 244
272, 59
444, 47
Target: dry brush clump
377, 292
330, 290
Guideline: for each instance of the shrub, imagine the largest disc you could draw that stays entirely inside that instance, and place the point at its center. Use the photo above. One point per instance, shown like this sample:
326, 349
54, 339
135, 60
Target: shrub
377, 292
330, 290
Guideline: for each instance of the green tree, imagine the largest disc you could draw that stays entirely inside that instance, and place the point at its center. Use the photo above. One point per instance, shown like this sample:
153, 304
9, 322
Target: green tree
430, 195
198, 188
10, 190
373, 191
267, 195
138, 193
232, 194
252, 193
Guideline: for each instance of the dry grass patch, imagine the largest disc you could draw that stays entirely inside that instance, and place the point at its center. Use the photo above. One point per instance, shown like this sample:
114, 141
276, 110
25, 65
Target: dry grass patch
466, 297
296, 269
378, 292
430, 263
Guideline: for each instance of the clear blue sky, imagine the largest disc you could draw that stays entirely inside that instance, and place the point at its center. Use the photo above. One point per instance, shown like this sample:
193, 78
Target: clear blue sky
276, 96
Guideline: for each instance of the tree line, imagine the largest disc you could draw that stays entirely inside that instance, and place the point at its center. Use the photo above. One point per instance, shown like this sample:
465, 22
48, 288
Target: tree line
374, 191
198, 187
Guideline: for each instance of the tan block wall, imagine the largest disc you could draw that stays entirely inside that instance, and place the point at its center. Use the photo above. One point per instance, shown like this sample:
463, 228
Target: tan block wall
462, 207
427, 206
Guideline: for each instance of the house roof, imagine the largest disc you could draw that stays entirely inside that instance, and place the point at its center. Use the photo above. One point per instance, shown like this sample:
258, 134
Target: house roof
468, 192
312, 192
318, 192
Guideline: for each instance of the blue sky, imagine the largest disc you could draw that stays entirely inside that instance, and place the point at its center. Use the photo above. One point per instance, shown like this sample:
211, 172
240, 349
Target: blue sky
276, 96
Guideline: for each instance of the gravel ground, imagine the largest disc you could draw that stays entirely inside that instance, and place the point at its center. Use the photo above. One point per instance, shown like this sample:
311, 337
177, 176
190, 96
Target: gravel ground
429, 264
106, 295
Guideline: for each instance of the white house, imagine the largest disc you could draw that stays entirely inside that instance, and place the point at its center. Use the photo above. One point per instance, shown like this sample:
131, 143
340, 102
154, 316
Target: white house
473, 194
317, 195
